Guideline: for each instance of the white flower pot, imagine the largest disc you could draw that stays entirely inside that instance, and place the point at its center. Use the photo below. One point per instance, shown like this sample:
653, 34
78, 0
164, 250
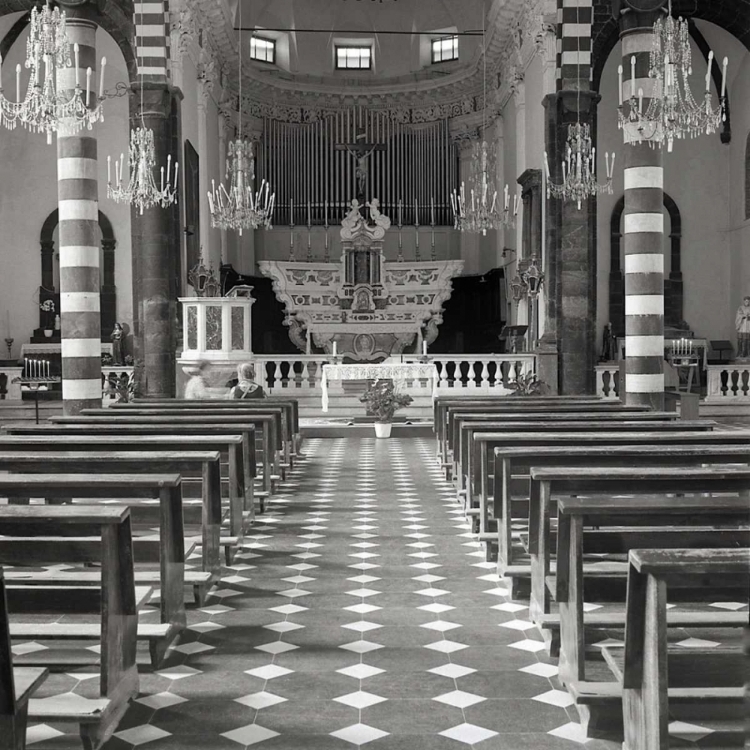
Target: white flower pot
48, 332
383, 429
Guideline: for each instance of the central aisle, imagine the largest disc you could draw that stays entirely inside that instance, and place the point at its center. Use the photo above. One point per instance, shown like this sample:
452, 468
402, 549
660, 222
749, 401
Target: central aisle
360, 613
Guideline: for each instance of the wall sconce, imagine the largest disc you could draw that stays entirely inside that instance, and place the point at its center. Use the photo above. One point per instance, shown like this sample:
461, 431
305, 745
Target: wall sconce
533, 279
518, 288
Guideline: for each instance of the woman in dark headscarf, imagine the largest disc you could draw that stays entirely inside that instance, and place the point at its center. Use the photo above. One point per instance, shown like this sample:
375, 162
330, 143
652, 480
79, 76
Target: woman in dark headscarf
246, 386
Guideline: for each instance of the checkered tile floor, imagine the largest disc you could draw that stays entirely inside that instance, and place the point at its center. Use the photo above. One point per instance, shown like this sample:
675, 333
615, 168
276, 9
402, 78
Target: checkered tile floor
360, 612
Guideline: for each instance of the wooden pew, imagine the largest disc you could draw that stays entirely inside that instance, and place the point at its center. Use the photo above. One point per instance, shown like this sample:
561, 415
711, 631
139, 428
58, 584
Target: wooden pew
129, 490
64, 534
169, 424
653, 677
206, 464
238, 472
505, 504
279, 432
475, 451
561, 483
17, 685
520, 572
516, 404
289, 405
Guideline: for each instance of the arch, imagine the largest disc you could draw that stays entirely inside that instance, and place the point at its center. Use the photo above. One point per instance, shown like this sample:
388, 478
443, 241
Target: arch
108, 291
673, 287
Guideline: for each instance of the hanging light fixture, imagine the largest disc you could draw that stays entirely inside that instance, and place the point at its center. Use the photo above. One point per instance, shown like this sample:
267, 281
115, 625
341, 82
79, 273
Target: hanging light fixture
239, 207
141, 190
579, 165
482, 211
44, 108
672, 113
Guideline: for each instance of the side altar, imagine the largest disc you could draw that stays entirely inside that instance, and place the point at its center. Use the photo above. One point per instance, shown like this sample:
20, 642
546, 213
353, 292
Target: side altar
368, 307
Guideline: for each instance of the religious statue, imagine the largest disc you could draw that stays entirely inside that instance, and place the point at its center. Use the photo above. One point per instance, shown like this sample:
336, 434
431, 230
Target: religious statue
354, 216
380, 220
116, 339
608, 344
742, 324
361, 151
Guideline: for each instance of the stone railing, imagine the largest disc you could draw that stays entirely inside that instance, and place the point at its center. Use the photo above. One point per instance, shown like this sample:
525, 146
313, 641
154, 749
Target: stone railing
729, 382
10, 391
113, 375
608, 380
474, 373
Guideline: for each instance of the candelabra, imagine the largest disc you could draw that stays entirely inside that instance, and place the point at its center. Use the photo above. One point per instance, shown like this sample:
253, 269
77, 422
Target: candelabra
579, 168
141, 190
9, 345
44, 108
672, 112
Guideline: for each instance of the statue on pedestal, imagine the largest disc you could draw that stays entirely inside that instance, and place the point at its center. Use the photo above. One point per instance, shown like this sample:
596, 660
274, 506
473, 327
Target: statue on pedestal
742, 324
116, 339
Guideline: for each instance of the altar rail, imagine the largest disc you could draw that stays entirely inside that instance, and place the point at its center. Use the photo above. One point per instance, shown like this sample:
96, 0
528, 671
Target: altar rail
729, 382
473, 373
608, 380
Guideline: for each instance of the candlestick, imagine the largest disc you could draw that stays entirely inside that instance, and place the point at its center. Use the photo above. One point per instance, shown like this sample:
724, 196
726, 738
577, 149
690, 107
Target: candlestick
724, 77
432, 211
619, 82
9, 344
416, 213
424, 348
309, 215
101, 78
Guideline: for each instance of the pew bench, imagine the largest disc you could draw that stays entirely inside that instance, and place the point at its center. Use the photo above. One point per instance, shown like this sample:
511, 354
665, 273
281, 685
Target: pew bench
204, 512
655, 680
237, 471
130, 490
17, 685
186, 424
507, 504
76, 534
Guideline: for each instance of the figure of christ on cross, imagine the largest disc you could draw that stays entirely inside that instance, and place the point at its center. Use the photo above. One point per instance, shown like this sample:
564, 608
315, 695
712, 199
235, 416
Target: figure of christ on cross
361, 151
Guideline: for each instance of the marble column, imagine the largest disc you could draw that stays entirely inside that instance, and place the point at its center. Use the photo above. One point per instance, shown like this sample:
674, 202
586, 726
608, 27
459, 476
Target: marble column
155, 255
643, 227
77, 195
571, 255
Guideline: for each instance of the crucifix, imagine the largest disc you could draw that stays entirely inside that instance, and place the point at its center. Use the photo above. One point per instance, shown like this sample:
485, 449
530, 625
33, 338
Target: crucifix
361, 151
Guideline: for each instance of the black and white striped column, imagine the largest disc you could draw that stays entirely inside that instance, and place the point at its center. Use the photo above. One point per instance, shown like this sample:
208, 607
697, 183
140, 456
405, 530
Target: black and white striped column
77, 195
643, 232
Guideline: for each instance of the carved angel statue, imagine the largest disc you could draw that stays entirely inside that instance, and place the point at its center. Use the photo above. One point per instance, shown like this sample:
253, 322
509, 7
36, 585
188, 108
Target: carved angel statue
376, 217
354, 216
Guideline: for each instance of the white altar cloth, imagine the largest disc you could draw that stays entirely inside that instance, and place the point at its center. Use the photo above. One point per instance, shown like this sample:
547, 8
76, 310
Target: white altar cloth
383, 371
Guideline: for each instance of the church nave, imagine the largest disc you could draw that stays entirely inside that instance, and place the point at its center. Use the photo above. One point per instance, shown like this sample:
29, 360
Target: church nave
360, 612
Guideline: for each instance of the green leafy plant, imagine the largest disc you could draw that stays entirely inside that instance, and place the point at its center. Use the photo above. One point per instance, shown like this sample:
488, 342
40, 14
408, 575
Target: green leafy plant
383, 400
527, 385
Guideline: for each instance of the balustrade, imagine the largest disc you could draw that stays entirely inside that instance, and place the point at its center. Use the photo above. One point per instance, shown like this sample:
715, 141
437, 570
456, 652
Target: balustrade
608, 381
729, 382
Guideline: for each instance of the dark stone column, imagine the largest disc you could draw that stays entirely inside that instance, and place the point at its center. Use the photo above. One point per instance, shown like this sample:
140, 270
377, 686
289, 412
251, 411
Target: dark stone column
571, 256
155, 248
48, 252
109, 290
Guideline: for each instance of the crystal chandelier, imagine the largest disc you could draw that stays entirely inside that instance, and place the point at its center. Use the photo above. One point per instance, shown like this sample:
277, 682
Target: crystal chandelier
239, 207
482, 211
46, 109
141, 190
579, 168
673, 112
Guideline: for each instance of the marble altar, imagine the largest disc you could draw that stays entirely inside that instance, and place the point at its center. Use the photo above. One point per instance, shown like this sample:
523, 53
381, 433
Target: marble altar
370, 307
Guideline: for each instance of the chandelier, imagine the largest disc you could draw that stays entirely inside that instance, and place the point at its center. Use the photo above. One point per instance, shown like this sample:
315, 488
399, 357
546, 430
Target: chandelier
239, 207
672, 113
482, 211
579, 168
141, 190
44, 108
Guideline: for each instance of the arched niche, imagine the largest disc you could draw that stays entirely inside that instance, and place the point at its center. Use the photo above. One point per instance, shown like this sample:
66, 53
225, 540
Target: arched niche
673, 287
108, 290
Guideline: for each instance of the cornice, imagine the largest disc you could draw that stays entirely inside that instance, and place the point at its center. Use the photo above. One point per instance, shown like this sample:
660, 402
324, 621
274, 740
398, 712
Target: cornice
516, 31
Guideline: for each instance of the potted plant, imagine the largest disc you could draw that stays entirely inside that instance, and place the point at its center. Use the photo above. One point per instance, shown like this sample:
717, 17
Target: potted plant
48, 306
526, 385
382, 401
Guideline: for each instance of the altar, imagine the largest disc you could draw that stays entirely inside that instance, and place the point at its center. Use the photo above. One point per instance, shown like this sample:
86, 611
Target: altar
370, 308
385, 371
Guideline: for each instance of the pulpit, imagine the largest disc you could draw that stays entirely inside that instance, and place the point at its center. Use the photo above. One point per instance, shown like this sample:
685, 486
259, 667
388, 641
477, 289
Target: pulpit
369, 307
217, 328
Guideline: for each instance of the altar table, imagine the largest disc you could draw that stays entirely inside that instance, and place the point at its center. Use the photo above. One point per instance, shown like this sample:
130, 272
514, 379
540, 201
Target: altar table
401, 371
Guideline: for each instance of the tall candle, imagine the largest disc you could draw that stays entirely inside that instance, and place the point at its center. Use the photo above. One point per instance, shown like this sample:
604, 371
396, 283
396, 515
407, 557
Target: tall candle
432, 211
619, 79
334, 349
416, 213
424, 348
708, 70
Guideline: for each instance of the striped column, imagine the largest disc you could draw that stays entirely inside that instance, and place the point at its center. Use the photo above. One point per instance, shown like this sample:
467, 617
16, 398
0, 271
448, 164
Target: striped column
643, 233
574, 19
77, 195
